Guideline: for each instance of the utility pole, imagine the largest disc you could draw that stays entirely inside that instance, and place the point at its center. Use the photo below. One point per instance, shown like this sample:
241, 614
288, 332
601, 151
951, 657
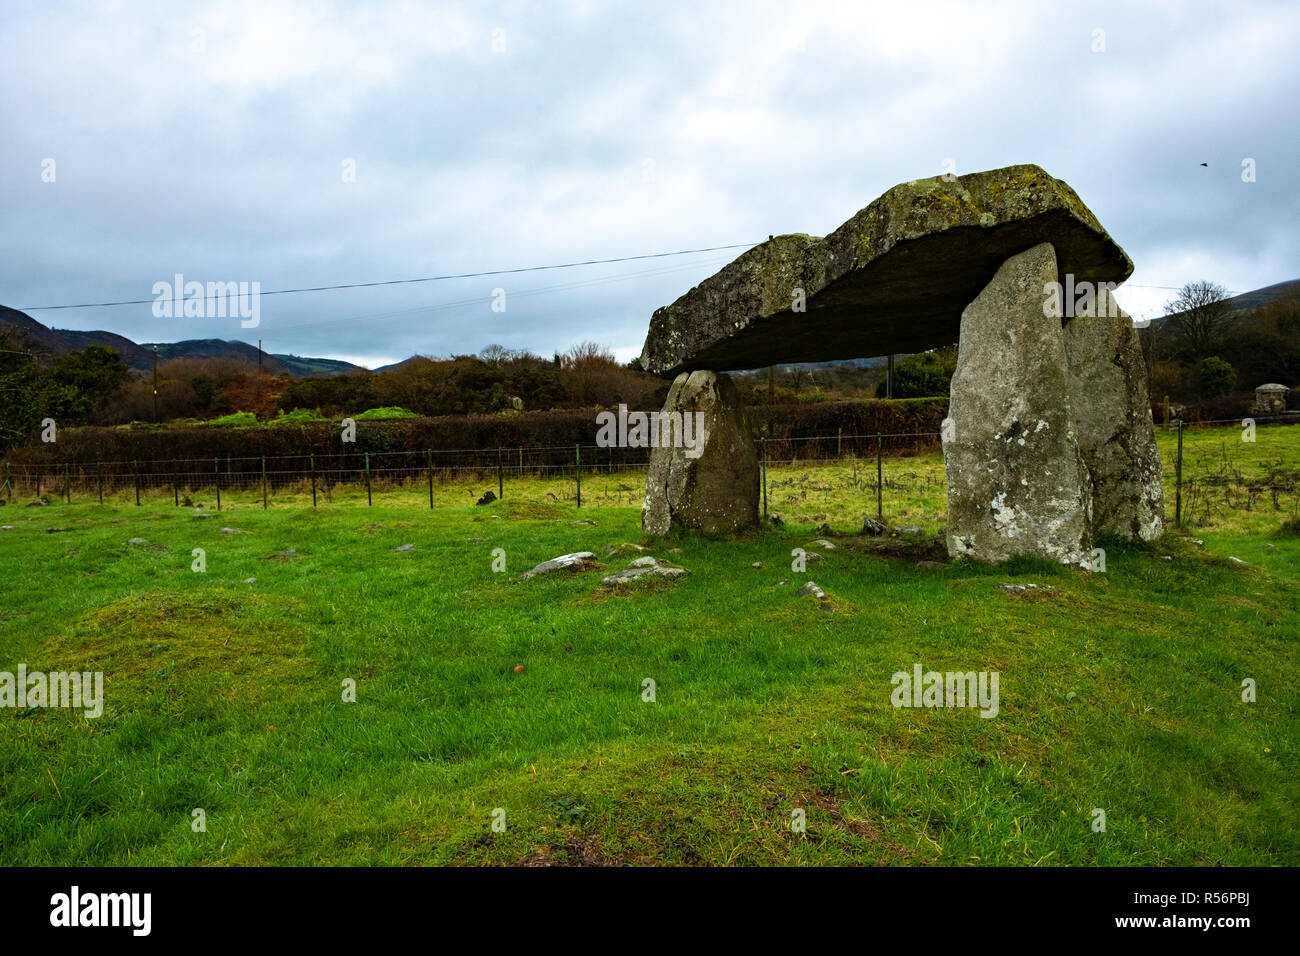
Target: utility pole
155, 384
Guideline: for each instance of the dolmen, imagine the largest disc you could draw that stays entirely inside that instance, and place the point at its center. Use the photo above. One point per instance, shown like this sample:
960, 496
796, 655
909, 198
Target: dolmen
1049, 441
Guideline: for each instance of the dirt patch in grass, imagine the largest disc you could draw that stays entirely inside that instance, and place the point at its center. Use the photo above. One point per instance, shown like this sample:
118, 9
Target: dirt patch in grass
575, 850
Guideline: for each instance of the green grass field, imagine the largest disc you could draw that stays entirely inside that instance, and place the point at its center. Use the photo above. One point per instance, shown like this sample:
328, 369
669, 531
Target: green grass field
1120, 691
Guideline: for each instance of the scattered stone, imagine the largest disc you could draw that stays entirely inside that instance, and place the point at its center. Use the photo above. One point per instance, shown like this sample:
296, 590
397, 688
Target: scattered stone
56, 530
250, 580
373, 526
133, 541
42, 502
757, 564
577, 561
586, 521
233, 531
627, 547
1200, 542
873, 528
910, 529
7, 527
776, 521
780, 583
518, 668
1166, 557
674, 550
824, 544
707, 479
1022, 588
1238, 561
404, 547
1267, 545
487, 499
811, 556
201, 515
930, 565
644, 567
1016, 479
818, 593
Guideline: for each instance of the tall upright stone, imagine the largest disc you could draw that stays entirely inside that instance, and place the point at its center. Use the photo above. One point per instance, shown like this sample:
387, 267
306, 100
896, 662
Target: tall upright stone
714, 487
1017, 484
1112, 419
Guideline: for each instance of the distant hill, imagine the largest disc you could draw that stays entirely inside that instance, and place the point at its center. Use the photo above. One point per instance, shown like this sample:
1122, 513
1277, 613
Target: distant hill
55, 342
1249, 301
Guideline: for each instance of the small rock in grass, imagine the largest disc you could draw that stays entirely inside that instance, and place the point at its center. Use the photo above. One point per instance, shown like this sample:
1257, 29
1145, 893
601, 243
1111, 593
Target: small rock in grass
41, 502
1238, 561
233, 531
7, 527
644, 567
812, 556
487, 499
824, 529
137, 541
776, 521
930, 565
250, 580
757, 564
404, 547
824, 544
873, 528
519, 668
1022, 588
813, 589
1166, 557
577, 561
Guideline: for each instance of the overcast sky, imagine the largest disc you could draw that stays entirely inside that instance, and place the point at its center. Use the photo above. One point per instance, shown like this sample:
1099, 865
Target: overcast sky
211, 139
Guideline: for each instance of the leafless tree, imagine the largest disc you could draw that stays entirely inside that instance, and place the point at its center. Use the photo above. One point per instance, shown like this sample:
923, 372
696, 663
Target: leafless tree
1200, 318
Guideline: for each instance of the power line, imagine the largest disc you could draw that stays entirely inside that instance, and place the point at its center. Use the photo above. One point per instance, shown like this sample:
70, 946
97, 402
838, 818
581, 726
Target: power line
370, 285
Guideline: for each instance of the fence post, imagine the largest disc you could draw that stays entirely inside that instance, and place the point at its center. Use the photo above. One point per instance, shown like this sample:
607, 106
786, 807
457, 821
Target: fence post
428, 458
501, 486
176, 494
880, 484
99, 480
312, 464
839, 444
67, 483
369, 501
1178, 480
577, 470
136, 468
764, 477
216, 475
263, 482
38, 482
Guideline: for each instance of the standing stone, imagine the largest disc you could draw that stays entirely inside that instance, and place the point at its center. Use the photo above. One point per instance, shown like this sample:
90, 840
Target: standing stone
1016, 479
717, 491
1112, 419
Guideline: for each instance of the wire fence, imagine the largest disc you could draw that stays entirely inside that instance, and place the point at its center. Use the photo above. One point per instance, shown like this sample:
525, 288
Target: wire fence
807, 477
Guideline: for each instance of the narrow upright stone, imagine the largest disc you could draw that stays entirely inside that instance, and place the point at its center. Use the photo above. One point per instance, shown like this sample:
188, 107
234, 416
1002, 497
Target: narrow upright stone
1112, 419
713, 488
1016, 479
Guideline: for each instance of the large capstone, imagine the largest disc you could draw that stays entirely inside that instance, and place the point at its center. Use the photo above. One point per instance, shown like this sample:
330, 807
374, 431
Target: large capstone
713, 486
1112, 420
1016, 479
892, 279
